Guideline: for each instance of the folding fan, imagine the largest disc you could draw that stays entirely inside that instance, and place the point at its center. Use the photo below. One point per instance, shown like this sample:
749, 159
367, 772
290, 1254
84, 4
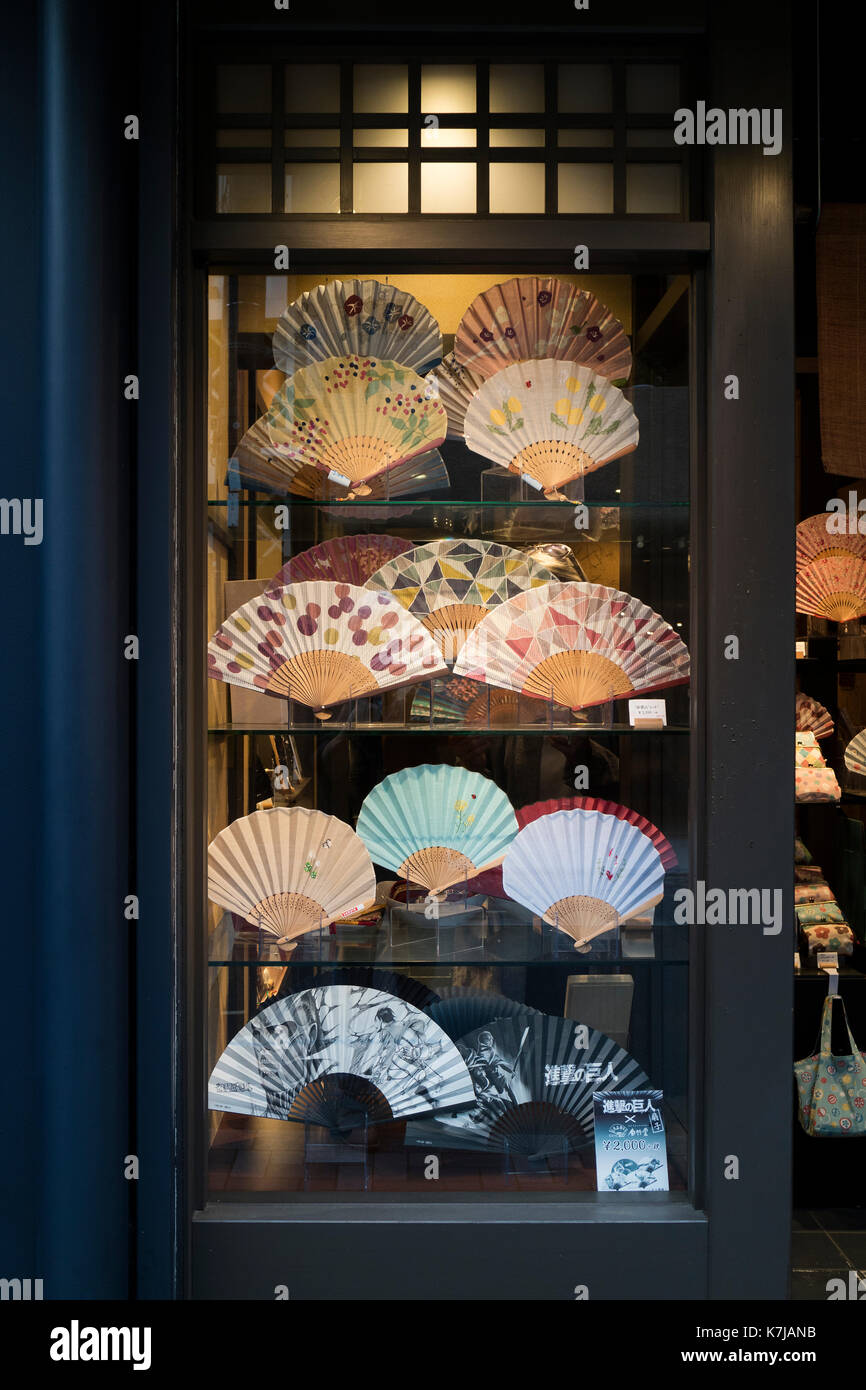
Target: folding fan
450, 585
321, 644
357, 316
528, 318
855, 754
534, 1080
456, 386
339, 1056
436, 825
579, 644
386, 981
343, 560
289, 870
833, 586
812, 716
550, 422
354, 418
583, 871
815, 538
462, 1012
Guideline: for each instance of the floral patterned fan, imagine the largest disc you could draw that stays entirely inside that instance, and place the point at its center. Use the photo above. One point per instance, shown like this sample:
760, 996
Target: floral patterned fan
833, 586
578, 644
343, 560
353, 418
357, 316
815, 539
528, 318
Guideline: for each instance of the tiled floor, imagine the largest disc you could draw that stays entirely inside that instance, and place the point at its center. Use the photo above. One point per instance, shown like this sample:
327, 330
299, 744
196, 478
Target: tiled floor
826, 1244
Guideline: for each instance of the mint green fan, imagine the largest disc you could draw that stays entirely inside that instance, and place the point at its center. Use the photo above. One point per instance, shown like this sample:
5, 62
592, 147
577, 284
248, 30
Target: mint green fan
437, 825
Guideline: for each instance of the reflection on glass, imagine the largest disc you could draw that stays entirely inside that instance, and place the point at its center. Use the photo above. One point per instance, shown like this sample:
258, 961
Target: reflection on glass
587, 139
381, 188
244, 87
652, 87
312, 188
585, 87
243, 188
448, 90
312, 139
442, 138
516, 87
312, 87
381, 87
390, 137
448, 188
516, 139
243, 139
653, 188
586, 188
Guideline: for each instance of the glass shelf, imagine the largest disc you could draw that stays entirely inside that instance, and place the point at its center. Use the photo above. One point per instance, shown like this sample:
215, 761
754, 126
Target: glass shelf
331, 726
411, 504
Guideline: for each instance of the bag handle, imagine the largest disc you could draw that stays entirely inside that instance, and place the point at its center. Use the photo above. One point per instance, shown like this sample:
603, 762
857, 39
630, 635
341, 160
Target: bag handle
825, 1048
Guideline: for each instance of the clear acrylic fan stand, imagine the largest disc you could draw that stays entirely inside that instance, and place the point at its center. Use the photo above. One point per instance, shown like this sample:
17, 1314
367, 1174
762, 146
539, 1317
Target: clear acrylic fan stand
549, 1160
501, 485
316, 942
350, 1151
455, 934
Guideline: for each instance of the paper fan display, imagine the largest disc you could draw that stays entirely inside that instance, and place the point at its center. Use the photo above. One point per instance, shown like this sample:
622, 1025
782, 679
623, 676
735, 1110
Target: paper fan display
550, 422
529, 317
815, 539
386, 981
339, 1056
534, 1080
583, 871
812, 717
343, 560
456, 386
579, 644
450, 585
855, 754
437, 825
321, 644
463, 1012
353, 418
833, 586
363, 317
289, 870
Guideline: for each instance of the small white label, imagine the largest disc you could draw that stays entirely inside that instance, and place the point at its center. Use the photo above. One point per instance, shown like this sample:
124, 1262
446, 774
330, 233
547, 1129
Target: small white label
796, 960
828, 960
801, 649
651, 713
338, 478
532, 482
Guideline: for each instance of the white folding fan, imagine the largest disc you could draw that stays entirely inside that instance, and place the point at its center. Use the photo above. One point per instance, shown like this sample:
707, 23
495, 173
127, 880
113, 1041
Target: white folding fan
289, 870
529, 317
450, 585
583, 871
855, 754
577, 644
357, 316
813, 717
341, 1056
534, 1080
321, 644
833, 586
550, 422
353, 418
437, 825
456, 385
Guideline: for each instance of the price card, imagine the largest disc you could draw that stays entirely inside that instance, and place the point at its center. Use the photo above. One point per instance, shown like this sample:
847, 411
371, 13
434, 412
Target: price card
801, 649
647, 714
336, 477
827, 960
631, 1153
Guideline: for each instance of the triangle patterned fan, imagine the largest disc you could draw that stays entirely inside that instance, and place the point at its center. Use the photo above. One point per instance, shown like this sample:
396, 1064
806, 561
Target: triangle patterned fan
579, 644
855, 754
528, 317
437, 825
357, 316
321, 644
343, 560
456, 385
833, 586
354, 418
339, 1056
817, 537
534, 1080
812, 717
550, 422
289, 870
450, 585
583, 872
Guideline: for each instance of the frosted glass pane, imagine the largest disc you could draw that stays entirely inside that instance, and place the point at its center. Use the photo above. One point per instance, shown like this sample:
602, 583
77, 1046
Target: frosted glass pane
312, 139
586, 188
243, 139
243, 188
585, 87
653, 188
656, 139
652, 87
448, 91
516, 139
381, 188
244, 88
516, 87
312, 87
517, 188
312, 188
586, 139
394, 138
381, 87
442, 139
448, 188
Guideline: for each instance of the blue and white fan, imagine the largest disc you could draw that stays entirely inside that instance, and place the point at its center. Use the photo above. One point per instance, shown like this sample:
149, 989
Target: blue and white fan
437, 825
340, 1056
583, 872
461, 1011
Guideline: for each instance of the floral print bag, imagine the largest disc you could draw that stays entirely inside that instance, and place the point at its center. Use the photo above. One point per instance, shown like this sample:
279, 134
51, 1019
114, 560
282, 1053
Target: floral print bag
832, 1089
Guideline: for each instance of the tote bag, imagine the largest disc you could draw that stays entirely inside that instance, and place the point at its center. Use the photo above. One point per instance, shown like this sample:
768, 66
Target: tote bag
832, 1089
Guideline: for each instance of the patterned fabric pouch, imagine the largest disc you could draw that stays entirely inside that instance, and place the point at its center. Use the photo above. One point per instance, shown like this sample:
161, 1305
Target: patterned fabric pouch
832, 1089
812, 892
801, 853
831, 938
816, 784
